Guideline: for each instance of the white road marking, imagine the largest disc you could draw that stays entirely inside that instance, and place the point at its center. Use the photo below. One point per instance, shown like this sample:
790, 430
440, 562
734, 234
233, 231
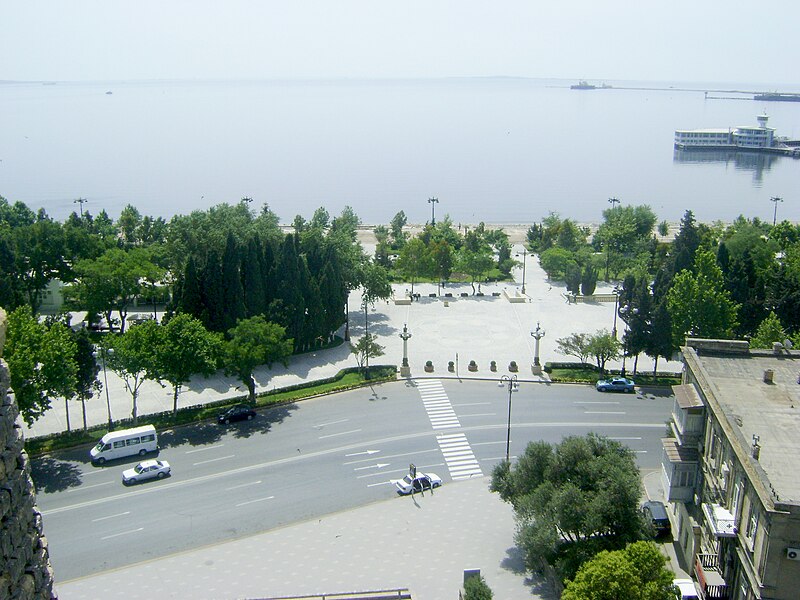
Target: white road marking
376, 466
256, 500
108, 537
330, 435
597, 402
236, 487
360, 453
604, 412
415, 452
111, 516
86, 487
331, 423
204, 449
202, 462
380, 483
489, 443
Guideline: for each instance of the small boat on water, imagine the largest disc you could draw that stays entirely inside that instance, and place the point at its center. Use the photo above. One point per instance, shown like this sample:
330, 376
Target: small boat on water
583, 85
109, 93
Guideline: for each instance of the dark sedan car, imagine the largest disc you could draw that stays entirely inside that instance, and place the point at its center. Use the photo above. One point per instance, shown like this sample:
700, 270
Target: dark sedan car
239, 412
656, 513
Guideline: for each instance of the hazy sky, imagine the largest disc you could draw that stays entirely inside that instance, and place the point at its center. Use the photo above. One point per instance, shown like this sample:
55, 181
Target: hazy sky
674, 40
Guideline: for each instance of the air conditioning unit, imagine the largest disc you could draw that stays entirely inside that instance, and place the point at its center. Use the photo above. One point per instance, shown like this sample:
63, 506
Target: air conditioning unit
793, 553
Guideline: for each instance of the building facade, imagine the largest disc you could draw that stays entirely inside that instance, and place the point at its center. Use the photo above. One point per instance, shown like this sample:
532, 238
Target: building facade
729, 469
746, 137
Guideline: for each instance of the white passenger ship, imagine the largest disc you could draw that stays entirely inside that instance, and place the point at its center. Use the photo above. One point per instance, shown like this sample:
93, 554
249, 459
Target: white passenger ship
756, 137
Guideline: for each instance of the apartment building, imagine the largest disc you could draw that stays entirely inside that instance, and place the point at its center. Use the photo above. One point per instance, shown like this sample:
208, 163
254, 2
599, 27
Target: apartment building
731, 469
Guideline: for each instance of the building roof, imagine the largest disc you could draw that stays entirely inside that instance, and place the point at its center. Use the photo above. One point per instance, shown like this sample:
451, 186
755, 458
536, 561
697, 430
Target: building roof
751, 407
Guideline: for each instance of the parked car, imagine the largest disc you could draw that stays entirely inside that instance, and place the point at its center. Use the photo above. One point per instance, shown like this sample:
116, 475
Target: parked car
423, 481
147, 469
616, 384
240, 412
656, 513
687, 590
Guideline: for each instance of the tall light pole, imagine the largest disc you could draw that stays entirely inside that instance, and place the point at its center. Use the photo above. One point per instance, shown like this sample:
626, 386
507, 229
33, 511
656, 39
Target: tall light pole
80, 201
102, 355
537, 335
616, 303
405, 370
613, 201
513, 386
775, 200
433, 202
524, 254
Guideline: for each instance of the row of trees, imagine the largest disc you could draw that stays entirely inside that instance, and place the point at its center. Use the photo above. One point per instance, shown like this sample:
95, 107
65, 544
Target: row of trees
49, 359
245, 294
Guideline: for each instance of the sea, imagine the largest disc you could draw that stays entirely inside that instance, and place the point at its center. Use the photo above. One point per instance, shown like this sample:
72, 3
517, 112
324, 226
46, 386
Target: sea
497, 150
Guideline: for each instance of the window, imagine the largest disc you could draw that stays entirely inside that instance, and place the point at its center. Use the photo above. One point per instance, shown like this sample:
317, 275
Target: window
148, 438
132, 441
119, 444
752, 527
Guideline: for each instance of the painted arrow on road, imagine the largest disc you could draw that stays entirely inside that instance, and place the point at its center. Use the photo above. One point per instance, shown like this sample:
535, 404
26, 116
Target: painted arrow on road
362, 453
377, 466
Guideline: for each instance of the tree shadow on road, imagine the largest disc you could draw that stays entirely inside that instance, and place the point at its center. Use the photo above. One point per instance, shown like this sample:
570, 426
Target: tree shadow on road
51, 474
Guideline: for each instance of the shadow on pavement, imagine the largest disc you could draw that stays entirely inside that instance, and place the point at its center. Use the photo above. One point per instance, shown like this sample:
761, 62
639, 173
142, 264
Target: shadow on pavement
51, 474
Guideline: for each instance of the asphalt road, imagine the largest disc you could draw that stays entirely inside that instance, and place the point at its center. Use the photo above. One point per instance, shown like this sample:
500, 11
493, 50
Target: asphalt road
313, 458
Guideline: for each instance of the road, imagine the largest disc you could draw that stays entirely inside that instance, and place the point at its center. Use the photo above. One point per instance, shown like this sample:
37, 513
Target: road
313, 458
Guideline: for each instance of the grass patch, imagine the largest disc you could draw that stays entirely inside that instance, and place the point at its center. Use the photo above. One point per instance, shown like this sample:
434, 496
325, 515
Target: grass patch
346, 379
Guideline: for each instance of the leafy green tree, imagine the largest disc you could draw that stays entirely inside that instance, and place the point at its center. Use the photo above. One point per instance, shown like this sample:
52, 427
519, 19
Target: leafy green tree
397, 224
588, 280
367, 347
39, 252
637, 572
573, 278
603, 347
415, 261
253, 279
87, 384
476, 588
442, 258
580, 494
254, 342
555, 262
290, 290
41, 361
698, 304
134, 357
232, 291
769, 331
660, 342
321, 219
575, 344
663, 229
129, 224
475, 263
185, 348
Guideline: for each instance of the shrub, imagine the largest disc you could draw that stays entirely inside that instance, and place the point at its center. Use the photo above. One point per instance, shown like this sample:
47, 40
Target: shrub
475, 588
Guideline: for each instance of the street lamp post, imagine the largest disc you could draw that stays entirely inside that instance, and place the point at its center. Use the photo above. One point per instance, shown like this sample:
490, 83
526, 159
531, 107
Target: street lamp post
775, 200
524, 254
102, 355
80, 201
513, 386
433, 202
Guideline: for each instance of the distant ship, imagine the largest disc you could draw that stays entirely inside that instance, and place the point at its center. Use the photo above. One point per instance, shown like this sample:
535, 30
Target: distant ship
777, 97
109, 93
584, 85
759, 138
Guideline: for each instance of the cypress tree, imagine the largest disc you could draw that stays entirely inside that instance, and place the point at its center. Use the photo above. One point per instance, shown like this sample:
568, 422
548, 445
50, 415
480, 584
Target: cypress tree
213, 293
290, 291
233, 293
253, 280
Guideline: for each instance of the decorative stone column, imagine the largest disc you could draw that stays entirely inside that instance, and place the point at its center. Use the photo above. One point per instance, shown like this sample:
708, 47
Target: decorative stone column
537, 334
405, 370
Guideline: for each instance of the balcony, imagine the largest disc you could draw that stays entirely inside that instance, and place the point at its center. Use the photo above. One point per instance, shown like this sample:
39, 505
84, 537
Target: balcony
706, 567
720, 521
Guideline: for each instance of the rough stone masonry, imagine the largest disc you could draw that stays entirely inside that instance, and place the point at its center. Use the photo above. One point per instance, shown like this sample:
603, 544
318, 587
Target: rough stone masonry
25, 571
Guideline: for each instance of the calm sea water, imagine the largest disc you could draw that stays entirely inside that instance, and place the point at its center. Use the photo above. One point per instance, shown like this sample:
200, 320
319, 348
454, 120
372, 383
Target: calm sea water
493, 150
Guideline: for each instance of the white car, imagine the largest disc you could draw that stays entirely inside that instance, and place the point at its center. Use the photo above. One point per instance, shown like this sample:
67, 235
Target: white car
686, 589
148, 469
423, 481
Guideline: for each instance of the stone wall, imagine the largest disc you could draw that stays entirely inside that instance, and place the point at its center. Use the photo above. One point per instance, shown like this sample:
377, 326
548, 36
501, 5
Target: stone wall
25, 571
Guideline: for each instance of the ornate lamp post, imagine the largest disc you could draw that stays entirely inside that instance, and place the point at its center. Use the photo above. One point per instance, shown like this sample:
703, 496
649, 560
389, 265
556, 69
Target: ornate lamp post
537, 335
433, 202
616, 304
405, 370
513, 386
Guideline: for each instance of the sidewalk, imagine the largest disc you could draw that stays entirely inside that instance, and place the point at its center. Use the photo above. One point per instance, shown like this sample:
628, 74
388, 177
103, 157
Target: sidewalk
480, 328
422, 543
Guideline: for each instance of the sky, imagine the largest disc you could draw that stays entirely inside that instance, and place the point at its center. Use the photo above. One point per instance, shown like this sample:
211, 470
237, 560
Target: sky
652, 40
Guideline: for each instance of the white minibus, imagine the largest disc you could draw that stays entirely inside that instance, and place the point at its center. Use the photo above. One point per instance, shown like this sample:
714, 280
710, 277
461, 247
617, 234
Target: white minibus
125, 442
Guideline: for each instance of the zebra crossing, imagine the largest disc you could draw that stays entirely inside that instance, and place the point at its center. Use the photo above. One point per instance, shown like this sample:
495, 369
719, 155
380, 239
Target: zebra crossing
437, 404
458, 455
461, 462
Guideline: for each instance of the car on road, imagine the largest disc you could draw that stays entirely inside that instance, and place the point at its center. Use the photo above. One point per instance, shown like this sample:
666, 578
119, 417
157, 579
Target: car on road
147, 469
422, 482
655, 513
616, 384
240, 412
